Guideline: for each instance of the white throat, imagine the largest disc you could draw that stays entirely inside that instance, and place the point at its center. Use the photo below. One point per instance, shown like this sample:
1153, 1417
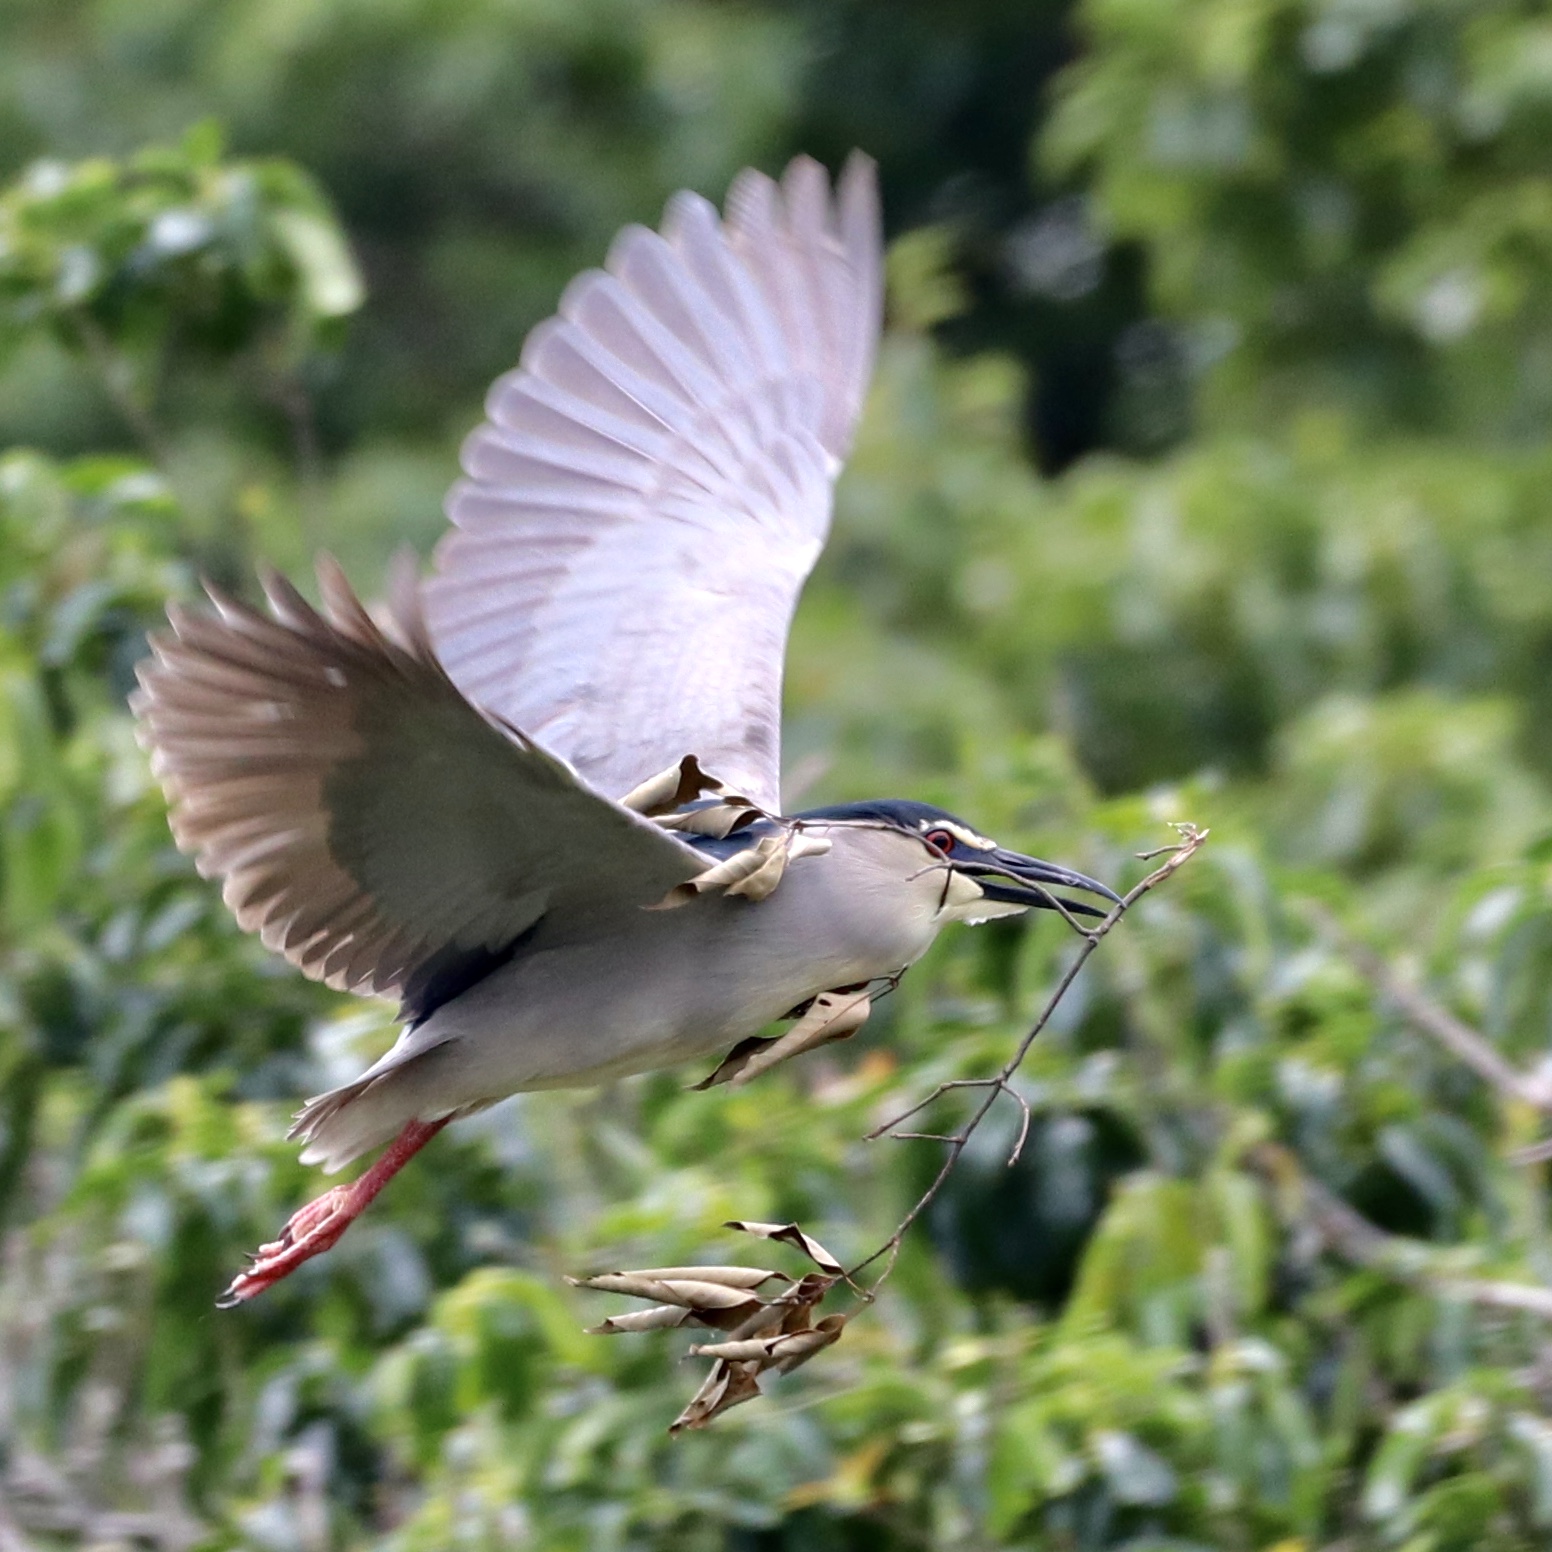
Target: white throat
965, 902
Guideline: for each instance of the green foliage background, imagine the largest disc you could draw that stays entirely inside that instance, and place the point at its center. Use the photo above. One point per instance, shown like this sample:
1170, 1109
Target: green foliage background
1205, 477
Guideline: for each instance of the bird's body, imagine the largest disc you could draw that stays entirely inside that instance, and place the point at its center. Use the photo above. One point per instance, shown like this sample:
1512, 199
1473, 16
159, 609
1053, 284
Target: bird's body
536, 799
695, 983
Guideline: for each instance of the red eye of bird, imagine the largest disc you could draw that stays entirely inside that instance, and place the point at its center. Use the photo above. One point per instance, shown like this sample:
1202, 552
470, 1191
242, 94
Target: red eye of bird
940, 840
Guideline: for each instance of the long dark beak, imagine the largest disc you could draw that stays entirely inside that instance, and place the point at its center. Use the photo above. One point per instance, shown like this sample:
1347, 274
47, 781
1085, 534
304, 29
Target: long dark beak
1034, 882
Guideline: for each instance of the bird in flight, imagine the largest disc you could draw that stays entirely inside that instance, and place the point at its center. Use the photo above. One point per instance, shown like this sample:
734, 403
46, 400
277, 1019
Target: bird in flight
536, 797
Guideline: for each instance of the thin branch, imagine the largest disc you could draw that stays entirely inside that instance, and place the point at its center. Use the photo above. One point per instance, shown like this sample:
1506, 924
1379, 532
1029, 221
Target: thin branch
1060, 907
289, 391
1360, 1243
921, 1104
1016, 1152
1466, 1044
1191, 840
111, 367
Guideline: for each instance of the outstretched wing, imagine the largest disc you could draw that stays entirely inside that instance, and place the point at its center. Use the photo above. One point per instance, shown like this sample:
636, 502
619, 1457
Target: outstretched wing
367, 821
654, 484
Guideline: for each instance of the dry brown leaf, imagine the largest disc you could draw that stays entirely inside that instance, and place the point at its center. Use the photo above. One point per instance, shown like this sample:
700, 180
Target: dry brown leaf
775, 1333
679, 784
795, 1349
803, 844
756, 1350
801, 1298
783, 1352
790, 1234
760, 882
725, 874
661, 1317
728, 1385
686, 1292
735, 1061
727, 1276
830, 1016
717, 820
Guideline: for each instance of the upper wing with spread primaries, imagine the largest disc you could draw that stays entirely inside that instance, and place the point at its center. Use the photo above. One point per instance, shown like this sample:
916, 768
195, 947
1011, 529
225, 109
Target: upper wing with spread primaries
366, 820
654, 483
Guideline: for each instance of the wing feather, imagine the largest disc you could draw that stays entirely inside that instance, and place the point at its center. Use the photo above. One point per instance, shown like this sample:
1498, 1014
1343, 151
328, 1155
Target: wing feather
367, 821
653, 484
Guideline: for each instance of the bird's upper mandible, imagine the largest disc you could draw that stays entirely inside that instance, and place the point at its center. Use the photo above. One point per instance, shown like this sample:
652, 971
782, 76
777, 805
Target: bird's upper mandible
653, 484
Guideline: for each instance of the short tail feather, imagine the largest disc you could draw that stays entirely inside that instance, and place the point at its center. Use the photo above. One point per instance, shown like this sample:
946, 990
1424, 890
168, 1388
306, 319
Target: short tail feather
346, 1122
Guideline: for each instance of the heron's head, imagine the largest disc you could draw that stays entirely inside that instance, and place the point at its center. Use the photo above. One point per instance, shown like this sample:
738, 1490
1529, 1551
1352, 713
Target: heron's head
989, 879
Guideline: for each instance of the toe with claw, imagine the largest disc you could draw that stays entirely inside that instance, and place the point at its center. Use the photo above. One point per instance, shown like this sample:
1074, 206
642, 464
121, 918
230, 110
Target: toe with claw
310, 1232
315, 1227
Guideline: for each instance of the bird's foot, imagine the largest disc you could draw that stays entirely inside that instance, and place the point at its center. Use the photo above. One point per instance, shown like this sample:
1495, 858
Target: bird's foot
315, 1227
310, 1231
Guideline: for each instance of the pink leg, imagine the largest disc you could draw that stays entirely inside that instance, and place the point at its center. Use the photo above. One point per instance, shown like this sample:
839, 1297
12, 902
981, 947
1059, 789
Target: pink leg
316, 1226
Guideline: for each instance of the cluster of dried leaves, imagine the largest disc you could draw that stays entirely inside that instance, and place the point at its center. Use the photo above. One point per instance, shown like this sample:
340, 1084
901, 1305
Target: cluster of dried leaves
762, 1331
685, 799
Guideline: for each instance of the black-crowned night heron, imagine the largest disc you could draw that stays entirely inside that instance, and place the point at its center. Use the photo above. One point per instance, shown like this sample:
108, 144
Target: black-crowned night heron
537, 798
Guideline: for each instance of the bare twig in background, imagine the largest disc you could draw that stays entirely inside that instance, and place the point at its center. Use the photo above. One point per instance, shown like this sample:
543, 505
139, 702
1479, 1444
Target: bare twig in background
1469, 1046
38, 1495
1348, 1234
112, 371
289, 392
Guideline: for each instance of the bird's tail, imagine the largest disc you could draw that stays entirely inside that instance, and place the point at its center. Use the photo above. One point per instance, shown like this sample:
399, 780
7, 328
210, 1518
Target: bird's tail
351, 1120
346, 1122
